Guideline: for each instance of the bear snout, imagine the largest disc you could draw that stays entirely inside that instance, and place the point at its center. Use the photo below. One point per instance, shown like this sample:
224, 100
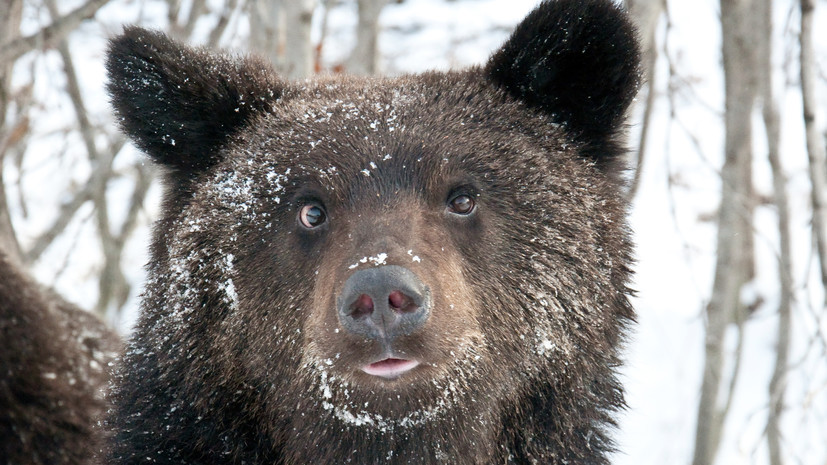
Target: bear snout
384, 303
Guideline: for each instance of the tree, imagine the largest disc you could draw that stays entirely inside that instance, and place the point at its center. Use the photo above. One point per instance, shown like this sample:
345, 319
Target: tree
772, 121
280, 31
364, 59
734, 266
815, 140
107, 168
9, 27
647, 14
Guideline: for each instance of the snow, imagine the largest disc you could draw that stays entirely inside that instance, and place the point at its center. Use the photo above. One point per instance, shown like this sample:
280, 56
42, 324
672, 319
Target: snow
336, 398
676, 263
377, 260
228, 286
675, 252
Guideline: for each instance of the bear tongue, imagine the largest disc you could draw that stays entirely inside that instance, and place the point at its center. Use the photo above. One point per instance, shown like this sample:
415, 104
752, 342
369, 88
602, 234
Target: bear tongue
390, 367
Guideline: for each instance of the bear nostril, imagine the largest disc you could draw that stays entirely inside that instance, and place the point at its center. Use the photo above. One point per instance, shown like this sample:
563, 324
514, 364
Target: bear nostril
361, 307
401, 302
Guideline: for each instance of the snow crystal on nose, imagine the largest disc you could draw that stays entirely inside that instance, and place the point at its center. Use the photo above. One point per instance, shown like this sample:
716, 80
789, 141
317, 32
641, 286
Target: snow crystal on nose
379, 259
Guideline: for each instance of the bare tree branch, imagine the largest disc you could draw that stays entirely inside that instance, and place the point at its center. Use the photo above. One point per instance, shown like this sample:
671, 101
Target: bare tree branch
815, 141
49, 36
112, 280
65, 215
142, 183
114, 285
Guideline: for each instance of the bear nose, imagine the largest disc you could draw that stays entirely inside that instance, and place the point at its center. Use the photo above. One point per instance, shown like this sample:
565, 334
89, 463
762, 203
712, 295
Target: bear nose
384, 303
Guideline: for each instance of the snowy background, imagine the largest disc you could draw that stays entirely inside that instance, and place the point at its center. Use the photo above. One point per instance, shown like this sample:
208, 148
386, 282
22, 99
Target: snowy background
673, 213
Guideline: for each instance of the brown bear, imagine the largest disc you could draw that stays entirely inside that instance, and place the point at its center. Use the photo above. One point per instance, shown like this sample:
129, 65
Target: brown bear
423, 269
54, 361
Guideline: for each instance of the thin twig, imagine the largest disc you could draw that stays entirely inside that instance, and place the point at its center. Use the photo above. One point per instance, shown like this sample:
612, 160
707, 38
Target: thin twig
142, 183
51, 35
66, 214
112, 279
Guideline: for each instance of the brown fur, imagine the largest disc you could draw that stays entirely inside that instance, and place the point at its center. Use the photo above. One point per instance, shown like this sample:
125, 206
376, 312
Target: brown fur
54, 364
240, 355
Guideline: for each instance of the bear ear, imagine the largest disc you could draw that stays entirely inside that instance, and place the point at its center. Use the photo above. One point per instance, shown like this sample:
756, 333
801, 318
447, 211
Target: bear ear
577, 60
180, 104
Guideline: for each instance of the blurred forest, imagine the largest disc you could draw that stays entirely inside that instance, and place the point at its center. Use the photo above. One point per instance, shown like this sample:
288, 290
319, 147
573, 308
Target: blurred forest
729, 191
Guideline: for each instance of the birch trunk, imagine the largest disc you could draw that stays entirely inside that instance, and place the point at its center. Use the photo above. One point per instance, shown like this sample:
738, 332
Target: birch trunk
646, 14
734, 261
364, 59
785, 266
9, 30
280, 31
266, 38
815, 142
298, 51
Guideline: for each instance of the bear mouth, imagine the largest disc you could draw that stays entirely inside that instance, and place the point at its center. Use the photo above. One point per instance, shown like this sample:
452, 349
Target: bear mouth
390, 368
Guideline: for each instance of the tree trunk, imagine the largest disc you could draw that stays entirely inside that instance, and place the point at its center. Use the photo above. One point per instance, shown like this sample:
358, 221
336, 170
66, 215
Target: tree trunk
734, 261
785, 267
815, 142
298, 51
364, 59
9, 30
176, 28
266, 30
280, 31
646, 13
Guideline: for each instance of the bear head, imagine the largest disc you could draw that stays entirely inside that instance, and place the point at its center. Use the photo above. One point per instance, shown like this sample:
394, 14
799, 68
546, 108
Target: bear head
428, 268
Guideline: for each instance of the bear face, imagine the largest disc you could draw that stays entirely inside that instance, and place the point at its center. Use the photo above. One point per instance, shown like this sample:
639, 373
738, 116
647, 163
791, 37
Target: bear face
422, 269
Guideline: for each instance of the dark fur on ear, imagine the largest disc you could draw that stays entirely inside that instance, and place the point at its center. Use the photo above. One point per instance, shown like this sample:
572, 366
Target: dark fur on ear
179, 104
577, 60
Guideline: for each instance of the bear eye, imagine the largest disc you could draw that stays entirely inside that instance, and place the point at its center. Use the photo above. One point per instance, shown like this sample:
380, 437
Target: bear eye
462, 204
312, 216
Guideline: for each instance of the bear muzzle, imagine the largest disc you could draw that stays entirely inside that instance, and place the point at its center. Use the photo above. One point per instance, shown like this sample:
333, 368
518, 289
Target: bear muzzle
384, 303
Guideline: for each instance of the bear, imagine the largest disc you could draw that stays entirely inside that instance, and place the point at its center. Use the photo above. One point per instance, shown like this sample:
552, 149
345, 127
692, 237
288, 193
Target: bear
427, 268
54, 362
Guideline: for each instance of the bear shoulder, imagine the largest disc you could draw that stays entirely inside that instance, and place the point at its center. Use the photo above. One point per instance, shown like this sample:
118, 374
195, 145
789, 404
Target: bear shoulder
55, 361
